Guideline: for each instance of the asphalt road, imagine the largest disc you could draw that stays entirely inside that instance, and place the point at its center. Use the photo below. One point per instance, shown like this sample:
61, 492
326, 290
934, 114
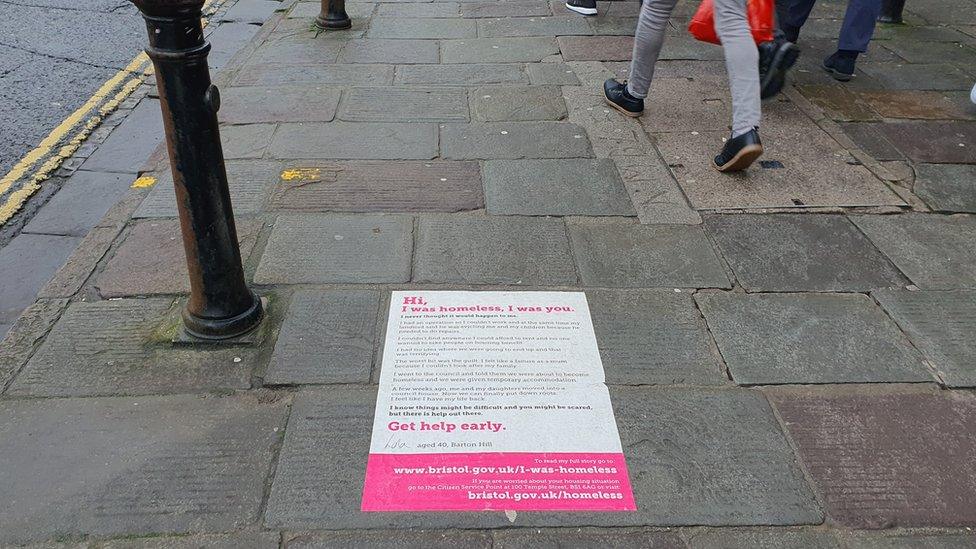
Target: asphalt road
54, 54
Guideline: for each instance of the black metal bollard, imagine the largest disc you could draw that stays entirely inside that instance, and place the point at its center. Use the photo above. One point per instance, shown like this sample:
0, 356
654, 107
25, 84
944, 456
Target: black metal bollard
891, 11
221, 305
333, 15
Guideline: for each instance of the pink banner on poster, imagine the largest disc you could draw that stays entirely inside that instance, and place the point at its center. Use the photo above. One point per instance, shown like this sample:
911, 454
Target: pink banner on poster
497, 482
493, 401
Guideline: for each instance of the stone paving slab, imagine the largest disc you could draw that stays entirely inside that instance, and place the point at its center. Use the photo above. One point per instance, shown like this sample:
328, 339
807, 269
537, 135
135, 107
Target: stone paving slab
405, 105
533, 26
612, 26
114, 348
924, 51
326, 249
130, 466
513, 140
869, 138
935, 252
493, 250
940, 324
596, 48
908, 540
555, 187
80, 204
393, 539
551, 73
308, 51
724, 462
586, 538
475, 74
435, 9
780, 538
886, 458
530, 49
628, 255
947, 187
918, 104
26, 264
276, 74
654, 192
390, 186
521, 8
421, 28
278, 104
19, 341
935, 76
248, 141
842, 104
151, 260
385, 51
245, 540
805, 167
78, 268
131, 142
347, 140
517, 103
941, 142
653, 338
809, 338
327, 337
800, 252
611, 134
704, 104
249, 182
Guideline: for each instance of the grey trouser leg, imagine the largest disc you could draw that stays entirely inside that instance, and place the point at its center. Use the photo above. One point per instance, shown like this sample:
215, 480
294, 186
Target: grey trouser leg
651, 26
741, 61
741, 55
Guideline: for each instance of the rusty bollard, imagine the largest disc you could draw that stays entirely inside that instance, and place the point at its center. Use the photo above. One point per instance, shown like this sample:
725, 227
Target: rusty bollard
333, 15
220, 306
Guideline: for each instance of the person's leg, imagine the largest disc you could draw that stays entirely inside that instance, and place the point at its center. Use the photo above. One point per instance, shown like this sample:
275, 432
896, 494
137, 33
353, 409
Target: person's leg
648, 40
791, 15
859, 23
741, 61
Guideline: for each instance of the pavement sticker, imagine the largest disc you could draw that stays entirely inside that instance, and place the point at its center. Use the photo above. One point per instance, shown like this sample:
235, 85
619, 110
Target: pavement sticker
494, 401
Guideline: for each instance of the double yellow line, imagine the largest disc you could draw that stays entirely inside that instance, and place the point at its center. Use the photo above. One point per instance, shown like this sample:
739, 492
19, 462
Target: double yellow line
25, 178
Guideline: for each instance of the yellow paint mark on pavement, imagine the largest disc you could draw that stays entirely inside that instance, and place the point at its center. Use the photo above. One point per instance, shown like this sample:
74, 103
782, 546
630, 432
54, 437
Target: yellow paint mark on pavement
144, 182
302, 174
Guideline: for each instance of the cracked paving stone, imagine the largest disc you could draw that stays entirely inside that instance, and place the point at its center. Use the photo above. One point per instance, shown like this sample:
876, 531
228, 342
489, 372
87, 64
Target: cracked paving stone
936, 252
326, 337
809, 338
941, 325
493, 250
327, 249
122, 347
800, 252
654, 192
883, 459
522, 103
134, 466
623, 254
652, 338
20, 339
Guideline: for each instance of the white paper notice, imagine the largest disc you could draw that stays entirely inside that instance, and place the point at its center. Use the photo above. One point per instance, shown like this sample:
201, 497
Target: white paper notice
493, 400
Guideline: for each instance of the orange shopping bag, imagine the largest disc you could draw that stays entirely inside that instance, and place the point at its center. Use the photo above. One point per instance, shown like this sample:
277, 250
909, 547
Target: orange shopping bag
760, 13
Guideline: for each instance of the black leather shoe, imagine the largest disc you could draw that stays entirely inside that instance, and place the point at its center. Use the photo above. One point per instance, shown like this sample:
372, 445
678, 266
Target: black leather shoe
618, 98
584, 7
739, 152
840, 65
775, 58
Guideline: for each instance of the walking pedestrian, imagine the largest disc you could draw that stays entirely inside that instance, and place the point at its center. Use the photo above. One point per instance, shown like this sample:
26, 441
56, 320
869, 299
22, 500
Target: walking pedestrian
741, 61
855, 33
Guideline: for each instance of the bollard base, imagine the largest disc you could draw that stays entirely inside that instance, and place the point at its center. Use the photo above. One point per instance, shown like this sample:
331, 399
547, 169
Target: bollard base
211, 329
333, 22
